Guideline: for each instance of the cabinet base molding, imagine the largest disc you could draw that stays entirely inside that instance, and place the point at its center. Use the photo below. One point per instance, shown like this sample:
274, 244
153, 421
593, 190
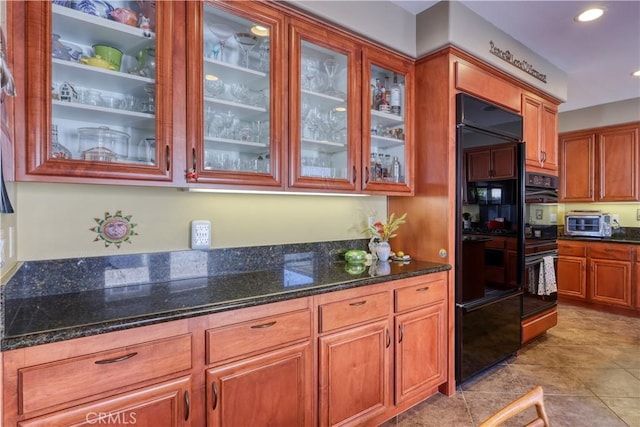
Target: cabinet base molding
634, 312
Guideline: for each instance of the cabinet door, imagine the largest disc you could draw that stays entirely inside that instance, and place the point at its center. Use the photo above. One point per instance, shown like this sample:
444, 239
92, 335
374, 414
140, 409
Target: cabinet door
271, 389
619, 167
354, 374
503, 161
99, 102
421, 354
234, 127
610, 281
387, 122
550, 138
167, 404
478, 165
636, 279
324, 109
572, 279
540, 133
577, 168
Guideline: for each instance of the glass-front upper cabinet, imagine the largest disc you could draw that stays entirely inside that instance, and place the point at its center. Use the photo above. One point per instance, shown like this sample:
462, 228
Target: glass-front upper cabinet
324, 109
99, 68
236, 83
387, 107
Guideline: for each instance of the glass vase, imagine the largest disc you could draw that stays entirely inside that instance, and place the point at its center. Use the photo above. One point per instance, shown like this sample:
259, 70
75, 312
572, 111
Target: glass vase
383, 250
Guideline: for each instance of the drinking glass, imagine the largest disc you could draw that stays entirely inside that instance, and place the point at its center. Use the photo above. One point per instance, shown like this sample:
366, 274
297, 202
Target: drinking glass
310, 72
222, 32
246, 41
331, 67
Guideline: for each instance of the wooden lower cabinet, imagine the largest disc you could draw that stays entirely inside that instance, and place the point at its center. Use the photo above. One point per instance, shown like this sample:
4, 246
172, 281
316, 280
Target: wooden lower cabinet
572, 276
165, 404
384, 350
273, 389
636, 287
354, 372
420, 351
598, 273
352, 357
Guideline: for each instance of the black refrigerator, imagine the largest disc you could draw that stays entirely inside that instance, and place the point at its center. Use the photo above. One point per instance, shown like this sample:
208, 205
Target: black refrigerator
488, 304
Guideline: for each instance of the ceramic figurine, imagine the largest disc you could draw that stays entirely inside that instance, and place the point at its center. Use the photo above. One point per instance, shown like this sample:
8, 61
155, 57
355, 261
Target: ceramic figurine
68, 93
145, 26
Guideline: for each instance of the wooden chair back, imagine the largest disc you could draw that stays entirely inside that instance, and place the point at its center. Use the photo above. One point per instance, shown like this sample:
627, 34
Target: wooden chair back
533, 398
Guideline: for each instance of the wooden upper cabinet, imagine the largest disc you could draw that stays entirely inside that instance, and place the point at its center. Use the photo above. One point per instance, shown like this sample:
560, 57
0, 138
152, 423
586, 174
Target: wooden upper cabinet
540, 134
600, 165
491, 163
387, 122
324, 108
486, 85
97, 121
619, 164
235, 132
577, 168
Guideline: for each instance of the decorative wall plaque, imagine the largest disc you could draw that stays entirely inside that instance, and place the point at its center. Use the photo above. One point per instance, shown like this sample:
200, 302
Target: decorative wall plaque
521, 64
114, 229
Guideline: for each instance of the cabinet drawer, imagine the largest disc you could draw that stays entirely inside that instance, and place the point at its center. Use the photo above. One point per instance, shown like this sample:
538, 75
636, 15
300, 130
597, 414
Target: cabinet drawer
539, 324
257, 335
63, 381
419, 295
496, 243
617, 252
572, 249
353, 311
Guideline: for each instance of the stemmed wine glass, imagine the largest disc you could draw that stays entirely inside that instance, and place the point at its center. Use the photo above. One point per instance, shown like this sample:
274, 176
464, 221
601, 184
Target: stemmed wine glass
310, 70
246, 41
264, 55
331, 67
222, 32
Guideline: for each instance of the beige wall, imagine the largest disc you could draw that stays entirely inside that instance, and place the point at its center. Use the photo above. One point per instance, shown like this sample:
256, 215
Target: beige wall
600, 115
55, 219
626, 211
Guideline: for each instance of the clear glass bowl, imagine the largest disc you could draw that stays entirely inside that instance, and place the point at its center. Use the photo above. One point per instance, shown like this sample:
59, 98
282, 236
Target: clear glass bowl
103, 144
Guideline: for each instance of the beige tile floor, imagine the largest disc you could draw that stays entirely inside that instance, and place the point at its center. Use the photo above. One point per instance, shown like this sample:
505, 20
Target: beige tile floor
588, 366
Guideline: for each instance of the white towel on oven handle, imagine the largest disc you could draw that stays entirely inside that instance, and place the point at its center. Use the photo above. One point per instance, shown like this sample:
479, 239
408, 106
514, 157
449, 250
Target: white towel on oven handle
547, 277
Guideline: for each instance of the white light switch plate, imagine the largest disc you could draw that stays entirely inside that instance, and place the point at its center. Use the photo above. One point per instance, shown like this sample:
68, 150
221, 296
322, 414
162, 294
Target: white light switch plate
200, 234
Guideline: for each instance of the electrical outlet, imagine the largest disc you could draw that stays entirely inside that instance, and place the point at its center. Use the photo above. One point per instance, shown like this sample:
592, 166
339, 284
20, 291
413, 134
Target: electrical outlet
615, 218
200, 234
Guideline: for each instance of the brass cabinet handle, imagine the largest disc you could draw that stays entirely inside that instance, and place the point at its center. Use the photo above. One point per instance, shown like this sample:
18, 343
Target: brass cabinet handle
168, 150
355, 176
264, 325
193, 155
426, 288
388, 338
214, 389
187, 405
400, 332
116, 359
366, 174
355, 304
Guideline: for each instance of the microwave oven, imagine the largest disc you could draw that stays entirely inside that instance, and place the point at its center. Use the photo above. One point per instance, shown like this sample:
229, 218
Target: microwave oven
587, 223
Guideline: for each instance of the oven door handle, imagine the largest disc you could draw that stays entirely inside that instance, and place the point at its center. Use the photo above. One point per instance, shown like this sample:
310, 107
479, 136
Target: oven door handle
468, 308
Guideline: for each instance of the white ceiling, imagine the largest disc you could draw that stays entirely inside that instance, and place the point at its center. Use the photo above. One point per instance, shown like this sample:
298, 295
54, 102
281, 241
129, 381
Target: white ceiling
598, 57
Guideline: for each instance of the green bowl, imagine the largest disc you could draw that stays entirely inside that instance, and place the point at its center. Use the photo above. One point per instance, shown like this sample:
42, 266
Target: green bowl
355, 257
110, 54
355, 268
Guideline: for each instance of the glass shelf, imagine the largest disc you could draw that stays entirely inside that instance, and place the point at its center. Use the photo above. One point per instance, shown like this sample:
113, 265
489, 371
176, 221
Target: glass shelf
103, 115
82, 75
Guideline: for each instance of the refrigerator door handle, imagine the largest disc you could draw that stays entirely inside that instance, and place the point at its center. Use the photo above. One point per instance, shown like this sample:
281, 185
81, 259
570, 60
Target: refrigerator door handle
468, 308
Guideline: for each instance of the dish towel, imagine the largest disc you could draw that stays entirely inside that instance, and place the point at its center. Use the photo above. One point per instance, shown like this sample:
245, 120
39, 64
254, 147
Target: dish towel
547, 277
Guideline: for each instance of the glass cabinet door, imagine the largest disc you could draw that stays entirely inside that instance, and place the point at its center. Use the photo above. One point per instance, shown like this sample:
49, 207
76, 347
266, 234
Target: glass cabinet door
103, 89
234, 141
324, 110
388, 147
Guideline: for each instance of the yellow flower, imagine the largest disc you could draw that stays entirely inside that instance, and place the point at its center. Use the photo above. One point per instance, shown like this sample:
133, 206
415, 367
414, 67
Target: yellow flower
385, 230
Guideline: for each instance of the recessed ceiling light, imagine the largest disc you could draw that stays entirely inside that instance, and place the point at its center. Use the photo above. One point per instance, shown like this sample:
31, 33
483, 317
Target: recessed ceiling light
636, 73
590, 14
259, 30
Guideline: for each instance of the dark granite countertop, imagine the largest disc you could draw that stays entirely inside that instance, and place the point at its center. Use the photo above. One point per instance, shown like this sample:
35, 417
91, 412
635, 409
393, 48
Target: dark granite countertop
33, 317
620, 238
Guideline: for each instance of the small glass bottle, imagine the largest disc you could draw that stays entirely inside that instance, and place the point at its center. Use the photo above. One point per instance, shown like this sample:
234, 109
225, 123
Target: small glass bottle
395, 97
58, 151
395, 170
